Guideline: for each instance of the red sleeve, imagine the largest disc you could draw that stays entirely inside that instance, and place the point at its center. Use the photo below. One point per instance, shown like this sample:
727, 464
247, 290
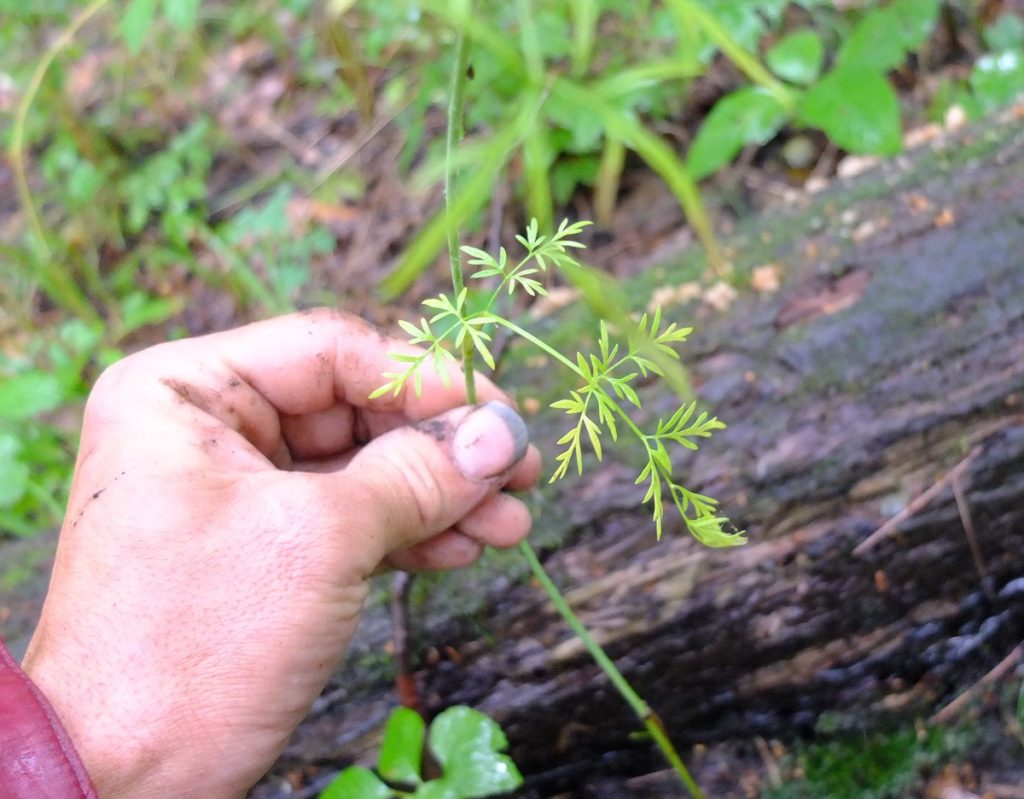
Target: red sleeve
37, 760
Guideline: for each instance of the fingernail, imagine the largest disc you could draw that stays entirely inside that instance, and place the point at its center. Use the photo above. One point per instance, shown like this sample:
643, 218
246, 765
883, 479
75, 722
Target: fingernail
489, 441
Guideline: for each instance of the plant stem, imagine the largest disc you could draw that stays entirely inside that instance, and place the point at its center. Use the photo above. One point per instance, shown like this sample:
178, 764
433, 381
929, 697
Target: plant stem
17, 146
642, 710
653, 724
456, 110
744, 61
543, 345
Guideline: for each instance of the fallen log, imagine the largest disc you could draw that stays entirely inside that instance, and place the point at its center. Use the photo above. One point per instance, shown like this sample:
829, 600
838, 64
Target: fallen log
875, 455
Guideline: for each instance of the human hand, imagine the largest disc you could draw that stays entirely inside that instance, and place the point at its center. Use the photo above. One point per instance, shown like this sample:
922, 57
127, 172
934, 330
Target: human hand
233, 493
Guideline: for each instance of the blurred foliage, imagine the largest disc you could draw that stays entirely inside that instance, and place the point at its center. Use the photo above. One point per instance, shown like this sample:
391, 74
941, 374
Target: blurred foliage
880, 765
137, 195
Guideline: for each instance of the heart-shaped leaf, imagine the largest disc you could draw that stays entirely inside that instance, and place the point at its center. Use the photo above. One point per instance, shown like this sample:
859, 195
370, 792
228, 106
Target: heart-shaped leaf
468, 745
858, 110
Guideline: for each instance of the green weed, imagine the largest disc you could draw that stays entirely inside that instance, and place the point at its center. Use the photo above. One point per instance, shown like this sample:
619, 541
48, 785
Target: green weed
466, 744
884, 765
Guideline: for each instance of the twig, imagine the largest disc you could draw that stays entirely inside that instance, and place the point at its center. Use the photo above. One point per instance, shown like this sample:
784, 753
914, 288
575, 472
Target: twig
946, 714
405, 680
919, 503
972, 535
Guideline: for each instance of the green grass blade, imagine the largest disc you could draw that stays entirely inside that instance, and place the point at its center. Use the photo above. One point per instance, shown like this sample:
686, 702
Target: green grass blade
472, 194
585, 16
621, 124
537, 160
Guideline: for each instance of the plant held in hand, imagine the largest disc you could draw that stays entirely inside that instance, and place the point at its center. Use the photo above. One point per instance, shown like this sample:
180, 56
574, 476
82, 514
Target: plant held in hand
599, 406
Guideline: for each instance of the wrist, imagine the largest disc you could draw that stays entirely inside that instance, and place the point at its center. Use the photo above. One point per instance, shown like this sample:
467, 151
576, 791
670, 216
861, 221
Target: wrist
120, 762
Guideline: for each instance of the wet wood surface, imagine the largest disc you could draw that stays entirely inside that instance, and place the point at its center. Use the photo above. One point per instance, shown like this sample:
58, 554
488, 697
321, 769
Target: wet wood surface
875, 455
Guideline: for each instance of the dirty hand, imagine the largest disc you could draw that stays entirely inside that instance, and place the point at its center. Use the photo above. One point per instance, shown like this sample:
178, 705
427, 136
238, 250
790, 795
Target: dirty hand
232, 495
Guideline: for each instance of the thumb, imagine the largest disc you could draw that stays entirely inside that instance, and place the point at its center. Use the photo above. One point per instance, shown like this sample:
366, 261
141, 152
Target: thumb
414, 482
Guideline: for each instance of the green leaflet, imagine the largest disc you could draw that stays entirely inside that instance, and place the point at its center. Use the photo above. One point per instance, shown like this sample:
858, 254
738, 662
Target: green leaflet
857, 109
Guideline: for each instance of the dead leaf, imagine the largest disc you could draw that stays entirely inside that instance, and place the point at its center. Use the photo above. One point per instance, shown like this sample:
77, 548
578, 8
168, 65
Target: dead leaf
720, 296
945, 218
302, 212
824, 296
867, 229
921, 135
765, 278
674, 295
918, 203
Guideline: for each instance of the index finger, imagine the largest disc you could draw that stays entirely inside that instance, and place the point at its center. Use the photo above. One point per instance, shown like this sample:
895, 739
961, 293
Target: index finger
307, 362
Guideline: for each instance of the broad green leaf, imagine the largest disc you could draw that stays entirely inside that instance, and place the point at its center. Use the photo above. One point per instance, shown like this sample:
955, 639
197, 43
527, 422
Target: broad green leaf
357, 782
25, 395
747, 116
857, 110
402, 750
1006, 33
881, 40
468, 744
136, 23
997, 80
460, 728
797, 57
182, 13
875, 44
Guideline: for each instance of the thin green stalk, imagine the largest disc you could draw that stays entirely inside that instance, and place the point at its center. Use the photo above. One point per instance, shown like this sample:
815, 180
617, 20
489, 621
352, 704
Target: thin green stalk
642, 710
17, 146
744, 61
609, 177
455, 126
456, 111
526, 334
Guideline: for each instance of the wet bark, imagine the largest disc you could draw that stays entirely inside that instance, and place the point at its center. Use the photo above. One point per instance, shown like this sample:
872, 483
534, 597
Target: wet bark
879, 389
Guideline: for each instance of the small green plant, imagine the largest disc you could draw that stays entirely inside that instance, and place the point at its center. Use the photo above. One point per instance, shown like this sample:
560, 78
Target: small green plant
599, 407
884, 765
36, 455
597, 404
853, 102
997, 77
564, 105
464, 743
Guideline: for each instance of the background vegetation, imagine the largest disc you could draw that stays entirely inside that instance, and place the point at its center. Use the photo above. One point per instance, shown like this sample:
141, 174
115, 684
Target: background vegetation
177, 166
